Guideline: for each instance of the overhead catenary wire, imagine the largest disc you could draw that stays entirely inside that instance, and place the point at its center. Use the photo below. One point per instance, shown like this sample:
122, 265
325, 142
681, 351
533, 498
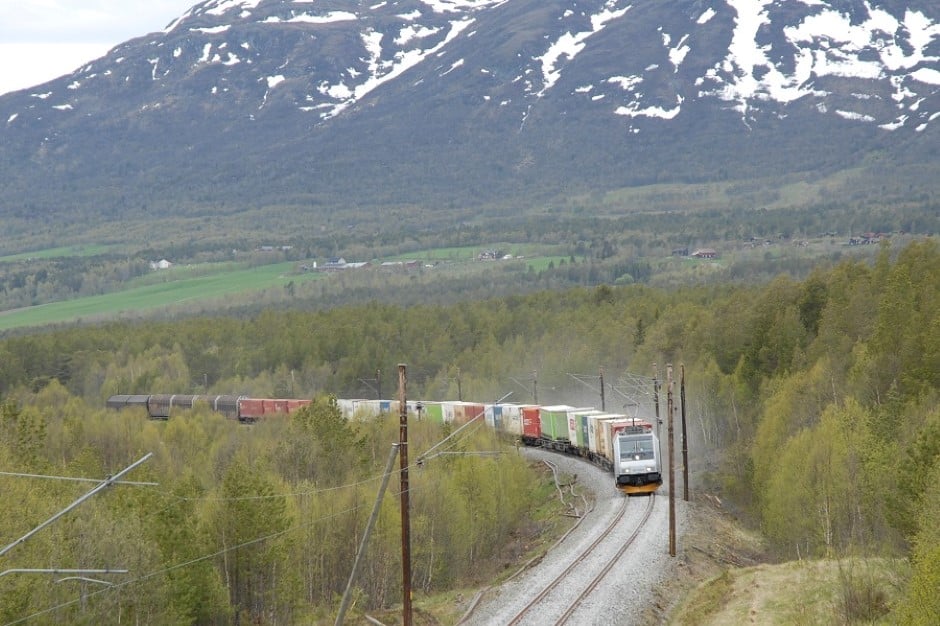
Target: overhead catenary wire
365, 537
110, 480
473, 424
177, 566
55, 570
78, 479
272, 496
427, 453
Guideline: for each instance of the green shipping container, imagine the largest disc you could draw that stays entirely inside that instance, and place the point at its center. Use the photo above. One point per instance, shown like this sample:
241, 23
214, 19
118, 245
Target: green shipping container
555, 422
433, 411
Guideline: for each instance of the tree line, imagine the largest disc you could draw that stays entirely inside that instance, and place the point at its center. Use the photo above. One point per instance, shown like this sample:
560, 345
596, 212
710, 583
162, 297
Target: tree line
245, 525
812, 402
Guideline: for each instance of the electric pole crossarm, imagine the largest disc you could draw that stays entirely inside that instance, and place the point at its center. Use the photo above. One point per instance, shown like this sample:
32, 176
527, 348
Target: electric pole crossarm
110, 480
583, 379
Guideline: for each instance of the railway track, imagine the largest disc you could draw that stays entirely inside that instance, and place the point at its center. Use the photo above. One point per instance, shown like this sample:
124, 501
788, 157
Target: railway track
553, 597
609, 565
538, 609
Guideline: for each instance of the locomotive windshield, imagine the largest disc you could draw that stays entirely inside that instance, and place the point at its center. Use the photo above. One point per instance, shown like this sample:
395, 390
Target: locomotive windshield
636, 448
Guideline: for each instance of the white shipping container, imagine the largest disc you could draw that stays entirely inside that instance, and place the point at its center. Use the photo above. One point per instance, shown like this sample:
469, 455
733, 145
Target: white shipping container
347, 407
603, 445
570, 423
450, 412
592, 432
574, 425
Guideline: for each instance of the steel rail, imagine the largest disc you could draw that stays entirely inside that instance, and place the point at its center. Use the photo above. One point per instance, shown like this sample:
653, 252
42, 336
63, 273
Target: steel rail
574, 563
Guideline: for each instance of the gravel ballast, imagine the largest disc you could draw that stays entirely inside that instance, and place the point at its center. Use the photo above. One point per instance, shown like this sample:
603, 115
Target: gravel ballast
626, 595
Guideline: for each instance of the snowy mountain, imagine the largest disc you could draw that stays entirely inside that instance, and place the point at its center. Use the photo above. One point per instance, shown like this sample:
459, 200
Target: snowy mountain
245, 104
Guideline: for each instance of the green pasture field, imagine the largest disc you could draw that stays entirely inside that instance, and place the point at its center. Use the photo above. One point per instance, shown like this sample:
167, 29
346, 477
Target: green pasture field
59, 253
541, 263
155, 296
462, 253
194, 271
775, 192
189, 284
538, 257
469, 253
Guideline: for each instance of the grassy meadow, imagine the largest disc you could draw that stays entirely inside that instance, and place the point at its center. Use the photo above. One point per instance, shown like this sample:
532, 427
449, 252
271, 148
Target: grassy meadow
185, 285
177, 288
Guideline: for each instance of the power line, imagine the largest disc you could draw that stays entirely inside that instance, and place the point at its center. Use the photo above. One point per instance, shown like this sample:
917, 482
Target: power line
78, 479
25, 570
425, 456
113, 480
110, 480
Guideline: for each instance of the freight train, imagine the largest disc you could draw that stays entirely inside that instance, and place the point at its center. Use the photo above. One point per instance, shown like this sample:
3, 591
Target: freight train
625, 446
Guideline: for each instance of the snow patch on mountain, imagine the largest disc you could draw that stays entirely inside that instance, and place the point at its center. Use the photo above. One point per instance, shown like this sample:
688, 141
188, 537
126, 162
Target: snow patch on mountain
460, 6
381, 71
568, 46
307, 18
768, 65
824, 44
221, 7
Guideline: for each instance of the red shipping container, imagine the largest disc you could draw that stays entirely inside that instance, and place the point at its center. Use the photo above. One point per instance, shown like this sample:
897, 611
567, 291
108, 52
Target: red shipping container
531, 423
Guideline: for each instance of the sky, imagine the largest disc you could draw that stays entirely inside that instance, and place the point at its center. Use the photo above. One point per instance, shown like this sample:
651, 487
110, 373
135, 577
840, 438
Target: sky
44, 39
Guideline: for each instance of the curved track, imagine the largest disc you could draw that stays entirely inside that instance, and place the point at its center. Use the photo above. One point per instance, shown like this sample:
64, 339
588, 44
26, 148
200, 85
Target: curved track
610, 564
537, 609
559, 599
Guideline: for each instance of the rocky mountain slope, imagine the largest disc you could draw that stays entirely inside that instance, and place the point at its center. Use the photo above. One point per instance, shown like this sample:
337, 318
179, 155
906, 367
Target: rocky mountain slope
348, 106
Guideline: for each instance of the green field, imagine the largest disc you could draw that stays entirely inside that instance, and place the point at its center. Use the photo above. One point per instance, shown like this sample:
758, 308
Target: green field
189, 284
59, 253
149, 297
469, 253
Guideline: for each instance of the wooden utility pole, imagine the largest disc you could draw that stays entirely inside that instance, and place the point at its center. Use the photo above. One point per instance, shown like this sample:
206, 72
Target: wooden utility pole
685, 441
672, 463
347, 595
405, 517
603, 403
659, 420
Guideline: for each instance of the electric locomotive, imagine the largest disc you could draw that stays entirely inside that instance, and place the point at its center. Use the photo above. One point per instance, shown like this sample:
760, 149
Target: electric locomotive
636, 461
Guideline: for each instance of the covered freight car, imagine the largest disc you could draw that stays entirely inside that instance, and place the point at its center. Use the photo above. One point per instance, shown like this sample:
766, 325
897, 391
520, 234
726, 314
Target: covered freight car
161, 406
254, 409
123, 401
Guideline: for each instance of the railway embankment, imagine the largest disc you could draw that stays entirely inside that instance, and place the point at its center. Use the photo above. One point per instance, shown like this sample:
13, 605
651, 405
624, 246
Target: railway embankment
723, 575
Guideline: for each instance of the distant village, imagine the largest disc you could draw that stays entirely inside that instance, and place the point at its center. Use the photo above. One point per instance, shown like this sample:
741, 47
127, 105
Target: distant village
336, 264
864, 239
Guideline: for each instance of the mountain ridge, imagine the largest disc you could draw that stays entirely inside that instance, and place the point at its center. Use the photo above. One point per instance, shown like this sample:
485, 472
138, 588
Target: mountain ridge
462, 104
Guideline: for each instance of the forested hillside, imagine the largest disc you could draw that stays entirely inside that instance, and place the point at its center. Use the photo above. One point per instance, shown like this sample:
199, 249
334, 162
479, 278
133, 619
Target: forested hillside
281, 116
812, 406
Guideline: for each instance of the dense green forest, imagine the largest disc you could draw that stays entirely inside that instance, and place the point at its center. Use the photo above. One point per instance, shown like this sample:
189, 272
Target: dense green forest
812, 405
